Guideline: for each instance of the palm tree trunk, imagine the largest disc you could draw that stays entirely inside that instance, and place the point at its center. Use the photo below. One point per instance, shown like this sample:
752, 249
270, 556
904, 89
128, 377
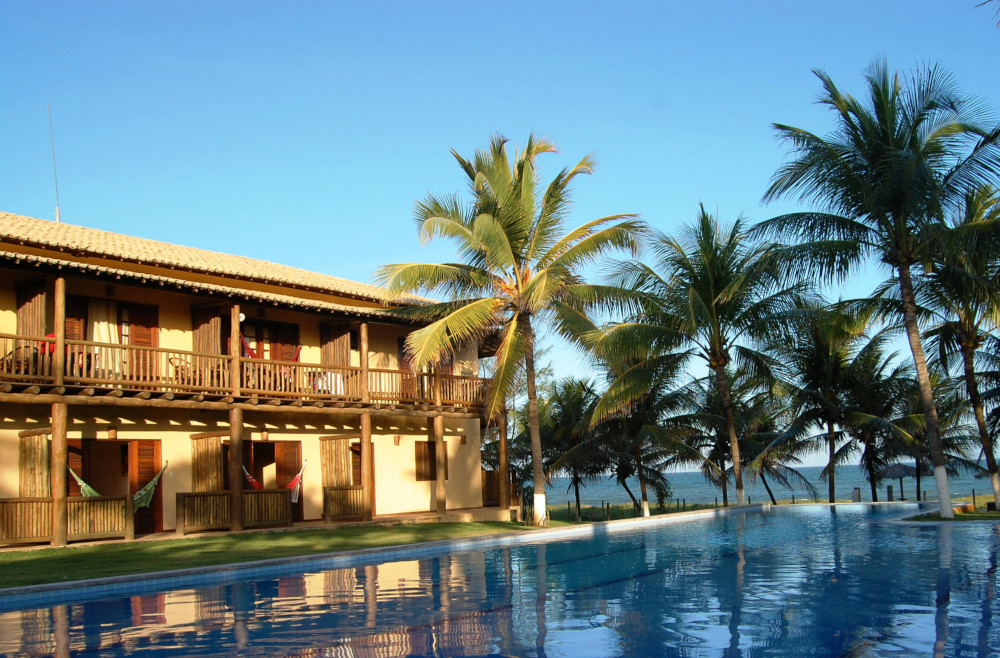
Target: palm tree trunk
725, 486
830, 468
540, 512
576, 489
868, 460
725, 397
769, 493
642, 478
972, 386
918, 479
635, 503
926, 391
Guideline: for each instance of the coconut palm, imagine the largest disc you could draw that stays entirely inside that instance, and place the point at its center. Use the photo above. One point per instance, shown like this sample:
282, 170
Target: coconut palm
715, 289
963, 291
519, 268
816, 349
577, 454
894, 161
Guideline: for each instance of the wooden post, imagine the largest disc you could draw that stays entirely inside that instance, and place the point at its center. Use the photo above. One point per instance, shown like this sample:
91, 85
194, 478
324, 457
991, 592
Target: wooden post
58, 474
366, 466
363, 355
129, 518
59, 320
440, 485
235, 349
504, 463
236, 469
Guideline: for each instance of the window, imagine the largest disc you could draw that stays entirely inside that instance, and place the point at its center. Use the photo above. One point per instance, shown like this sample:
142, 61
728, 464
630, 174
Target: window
426, 460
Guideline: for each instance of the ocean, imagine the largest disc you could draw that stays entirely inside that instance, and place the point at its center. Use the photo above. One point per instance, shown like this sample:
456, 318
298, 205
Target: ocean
692, 487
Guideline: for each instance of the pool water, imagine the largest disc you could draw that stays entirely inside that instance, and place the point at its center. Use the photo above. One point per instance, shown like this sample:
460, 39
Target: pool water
809, 580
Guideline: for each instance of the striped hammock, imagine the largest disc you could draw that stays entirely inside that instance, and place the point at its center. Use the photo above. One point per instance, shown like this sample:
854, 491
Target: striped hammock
140, 499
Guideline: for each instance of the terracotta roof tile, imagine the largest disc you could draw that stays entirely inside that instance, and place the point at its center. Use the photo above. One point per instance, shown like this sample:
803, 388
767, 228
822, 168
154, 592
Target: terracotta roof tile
85, 241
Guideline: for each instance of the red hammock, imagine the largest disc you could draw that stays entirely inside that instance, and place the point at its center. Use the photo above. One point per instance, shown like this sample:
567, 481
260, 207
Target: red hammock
251, 479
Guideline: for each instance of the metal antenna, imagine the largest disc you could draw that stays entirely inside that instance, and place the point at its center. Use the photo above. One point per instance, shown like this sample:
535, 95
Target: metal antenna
55, 176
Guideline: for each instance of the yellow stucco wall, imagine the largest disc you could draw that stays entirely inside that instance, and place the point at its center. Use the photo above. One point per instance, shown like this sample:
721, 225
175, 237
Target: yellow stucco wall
396, 488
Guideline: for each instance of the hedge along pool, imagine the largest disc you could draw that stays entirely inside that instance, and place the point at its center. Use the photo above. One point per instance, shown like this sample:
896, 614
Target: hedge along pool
816, 580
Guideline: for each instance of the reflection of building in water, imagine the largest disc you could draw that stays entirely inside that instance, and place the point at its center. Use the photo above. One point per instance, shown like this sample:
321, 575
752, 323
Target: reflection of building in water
438, 605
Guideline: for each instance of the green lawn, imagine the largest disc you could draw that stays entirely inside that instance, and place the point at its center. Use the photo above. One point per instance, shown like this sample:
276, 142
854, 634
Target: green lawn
54, 565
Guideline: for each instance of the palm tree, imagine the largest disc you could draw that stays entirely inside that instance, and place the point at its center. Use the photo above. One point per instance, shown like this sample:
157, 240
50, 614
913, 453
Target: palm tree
581, 458
894, 161
715, 289
519, 268
963, 291
816, 350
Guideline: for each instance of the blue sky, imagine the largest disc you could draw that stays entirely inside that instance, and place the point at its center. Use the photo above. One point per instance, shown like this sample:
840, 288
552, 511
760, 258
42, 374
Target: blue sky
303, 132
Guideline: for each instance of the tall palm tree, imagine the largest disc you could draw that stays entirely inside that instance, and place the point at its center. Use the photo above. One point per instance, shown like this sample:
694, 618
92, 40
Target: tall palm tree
963, 291
715, 289
894, 161
519, 268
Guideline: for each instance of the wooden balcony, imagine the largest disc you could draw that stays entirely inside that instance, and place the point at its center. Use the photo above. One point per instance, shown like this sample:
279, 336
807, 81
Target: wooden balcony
28, 362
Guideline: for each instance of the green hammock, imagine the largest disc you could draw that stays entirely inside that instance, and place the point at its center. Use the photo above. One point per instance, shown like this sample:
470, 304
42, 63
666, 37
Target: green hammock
143, 497
85, 489
140, 499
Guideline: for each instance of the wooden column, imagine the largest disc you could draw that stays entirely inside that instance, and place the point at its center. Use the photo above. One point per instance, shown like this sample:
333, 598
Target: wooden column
236, 468
59, 319
366, 466
504, 462
58, 474
363, 355
235, 349
440, 485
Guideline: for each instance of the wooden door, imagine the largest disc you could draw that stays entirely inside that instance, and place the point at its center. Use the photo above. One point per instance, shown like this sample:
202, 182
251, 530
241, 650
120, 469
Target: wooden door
143, 465
356, 468
138, 324
287, 463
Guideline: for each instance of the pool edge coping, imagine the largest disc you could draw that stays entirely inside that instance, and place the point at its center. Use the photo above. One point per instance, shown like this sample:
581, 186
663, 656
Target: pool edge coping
13, 598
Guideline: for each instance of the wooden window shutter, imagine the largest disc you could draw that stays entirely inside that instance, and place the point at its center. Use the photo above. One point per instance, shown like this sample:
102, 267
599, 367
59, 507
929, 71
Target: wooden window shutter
336, 461
426, 460
287, 461
356, 464
285, 342
31, 308
76, 318
33, 467
206, 325
143, 323
206, 464
335, 345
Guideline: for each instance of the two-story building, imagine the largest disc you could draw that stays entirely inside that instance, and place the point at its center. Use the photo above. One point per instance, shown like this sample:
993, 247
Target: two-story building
123, 359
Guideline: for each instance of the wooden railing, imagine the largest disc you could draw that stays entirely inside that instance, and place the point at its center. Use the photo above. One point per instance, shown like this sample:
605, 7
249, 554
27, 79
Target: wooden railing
295, 379
29, 360
457, 389
400, 386
131, 366
343, 503
26, 358
211, 510
29, 520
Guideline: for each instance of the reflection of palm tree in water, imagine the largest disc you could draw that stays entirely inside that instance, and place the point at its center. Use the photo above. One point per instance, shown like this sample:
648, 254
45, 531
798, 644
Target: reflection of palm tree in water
986, 620
540, 596
943, 590
736, 615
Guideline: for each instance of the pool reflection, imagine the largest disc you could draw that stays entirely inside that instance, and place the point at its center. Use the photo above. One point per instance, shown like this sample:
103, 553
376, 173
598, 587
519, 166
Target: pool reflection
745, 585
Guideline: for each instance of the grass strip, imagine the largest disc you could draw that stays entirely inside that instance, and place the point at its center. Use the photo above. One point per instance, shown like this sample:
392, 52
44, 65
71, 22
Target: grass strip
55, 565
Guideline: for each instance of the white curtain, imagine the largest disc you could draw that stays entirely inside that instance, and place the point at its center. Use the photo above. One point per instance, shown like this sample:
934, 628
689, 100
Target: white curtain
102, 327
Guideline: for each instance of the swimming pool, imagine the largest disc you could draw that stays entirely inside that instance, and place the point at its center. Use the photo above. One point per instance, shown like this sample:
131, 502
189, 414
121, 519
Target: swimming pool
809, 580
